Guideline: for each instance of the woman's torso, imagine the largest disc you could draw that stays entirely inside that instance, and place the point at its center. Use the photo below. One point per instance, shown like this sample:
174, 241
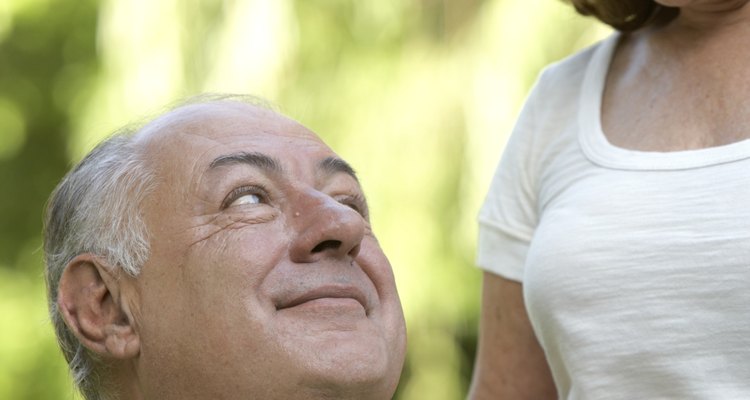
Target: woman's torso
636, 279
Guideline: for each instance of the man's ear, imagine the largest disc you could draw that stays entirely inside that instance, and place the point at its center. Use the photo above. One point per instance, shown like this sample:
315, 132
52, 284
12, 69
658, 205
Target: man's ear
89, 299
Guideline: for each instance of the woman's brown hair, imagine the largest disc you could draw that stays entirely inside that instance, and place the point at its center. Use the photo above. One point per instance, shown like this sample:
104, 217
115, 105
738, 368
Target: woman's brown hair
624, 15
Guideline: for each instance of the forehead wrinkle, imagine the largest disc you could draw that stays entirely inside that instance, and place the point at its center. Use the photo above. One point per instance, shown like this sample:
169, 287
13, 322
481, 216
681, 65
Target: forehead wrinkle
335, 165
254, 159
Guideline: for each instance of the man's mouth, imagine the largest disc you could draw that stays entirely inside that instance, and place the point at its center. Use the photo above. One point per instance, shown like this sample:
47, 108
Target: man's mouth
331, 295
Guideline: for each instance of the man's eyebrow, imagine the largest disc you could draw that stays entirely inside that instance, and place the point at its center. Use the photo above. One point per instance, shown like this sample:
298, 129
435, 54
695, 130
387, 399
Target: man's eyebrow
333, 165
258, 160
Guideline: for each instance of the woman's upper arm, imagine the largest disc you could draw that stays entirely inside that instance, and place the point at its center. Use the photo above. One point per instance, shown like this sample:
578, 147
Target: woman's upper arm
510, 363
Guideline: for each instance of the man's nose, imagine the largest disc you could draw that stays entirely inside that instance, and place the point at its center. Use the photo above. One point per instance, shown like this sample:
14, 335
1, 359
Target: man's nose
325, 228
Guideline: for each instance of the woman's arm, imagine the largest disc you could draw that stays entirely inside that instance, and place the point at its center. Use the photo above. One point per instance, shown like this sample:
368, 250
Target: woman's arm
510, 363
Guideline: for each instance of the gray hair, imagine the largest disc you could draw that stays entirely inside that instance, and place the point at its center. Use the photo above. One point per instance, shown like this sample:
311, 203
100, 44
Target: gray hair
96, 209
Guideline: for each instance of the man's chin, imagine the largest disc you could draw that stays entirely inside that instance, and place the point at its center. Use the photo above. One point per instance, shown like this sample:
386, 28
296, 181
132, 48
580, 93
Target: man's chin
353, 362
357, 380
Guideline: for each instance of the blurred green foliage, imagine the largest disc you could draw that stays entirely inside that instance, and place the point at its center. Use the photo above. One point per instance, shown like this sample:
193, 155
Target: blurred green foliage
419, 95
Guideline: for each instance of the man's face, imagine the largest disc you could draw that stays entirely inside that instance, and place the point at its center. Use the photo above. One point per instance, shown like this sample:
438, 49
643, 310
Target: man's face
264, 279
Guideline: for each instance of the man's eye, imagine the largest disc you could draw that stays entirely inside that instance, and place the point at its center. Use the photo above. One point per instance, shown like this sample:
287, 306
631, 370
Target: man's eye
245, 195
356, 202
251, 198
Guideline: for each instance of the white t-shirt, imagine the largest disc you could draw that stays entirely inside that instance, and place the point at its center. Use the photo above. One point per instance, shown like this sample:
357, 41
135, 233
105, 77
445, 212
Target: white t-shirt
635, 265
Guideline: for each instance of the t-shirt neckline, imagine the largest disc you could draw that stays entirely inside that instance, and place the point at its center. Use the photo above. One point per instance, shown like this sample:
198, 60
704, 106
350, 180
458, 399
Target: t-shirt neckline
600, 151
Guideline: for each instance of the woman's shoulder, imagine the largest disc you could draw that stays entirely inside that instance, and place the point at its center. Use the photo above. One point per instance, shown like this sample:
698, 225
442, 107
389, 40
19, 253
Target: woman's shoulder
572, 69
549, 123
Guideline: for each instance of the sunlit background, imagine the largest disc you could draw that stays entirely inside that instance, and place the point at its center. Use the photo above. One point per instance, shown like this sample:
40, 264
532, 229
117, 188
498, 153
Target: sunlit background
419, 95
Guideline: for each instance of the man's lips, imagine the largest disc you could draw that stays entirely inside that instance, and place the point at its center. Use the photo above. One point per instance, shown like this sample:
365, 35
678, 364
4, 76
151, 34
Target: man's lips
324, 292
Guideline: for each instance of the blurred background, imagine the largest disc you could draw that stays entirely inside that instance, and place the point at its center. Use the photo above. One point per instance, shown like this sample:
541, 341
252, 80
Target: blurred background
419, 95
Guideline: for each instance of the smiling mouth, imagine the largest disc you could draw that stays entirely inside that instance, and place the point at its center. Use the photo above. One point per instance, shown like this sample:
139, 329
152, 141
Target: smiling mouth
332, 296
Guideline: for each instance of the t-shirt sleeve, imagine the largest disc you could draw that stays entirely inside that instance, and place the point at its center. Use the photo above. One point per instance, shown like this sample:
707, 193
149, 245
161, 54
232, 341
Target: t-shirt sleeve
508, 217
